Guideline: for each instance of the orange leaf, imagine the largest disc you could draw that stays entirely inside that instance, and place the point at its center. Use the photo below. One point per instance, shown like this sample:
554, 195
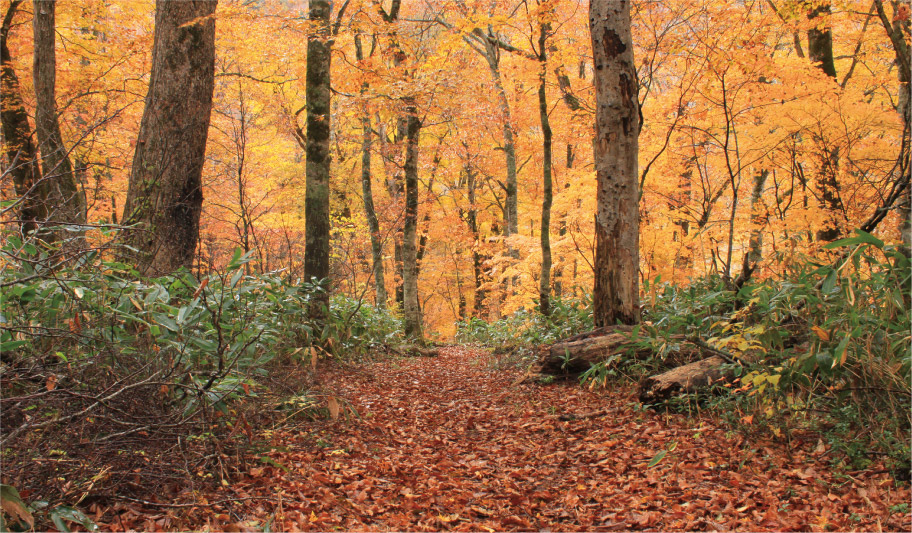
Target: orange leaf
201, 287
824, 336
51, 382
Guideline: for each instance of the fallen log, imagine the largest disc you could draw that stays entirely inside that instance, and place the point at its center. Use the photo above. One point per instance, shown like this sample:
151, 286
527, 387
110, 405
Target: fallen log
575, 355
685, 379
414, 350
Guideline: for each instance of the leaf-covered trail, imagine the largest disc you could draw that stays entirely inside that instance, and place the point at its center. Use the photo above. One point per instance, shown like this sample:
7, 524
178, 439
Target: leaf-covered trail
447, 443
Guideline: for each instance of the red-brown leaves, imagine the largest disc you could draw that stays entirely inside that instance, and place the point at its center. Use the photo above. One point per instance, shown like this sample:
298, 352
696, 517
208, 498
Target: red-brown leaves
445, 444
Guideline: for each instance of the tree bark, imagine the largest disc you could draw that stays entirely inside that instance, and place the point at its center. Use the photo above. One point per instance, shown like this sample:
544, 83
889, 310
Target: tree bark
511, 210
412, 311
685, 379
477, 261
65, 202
367, 193
544, 285
755, 246
901, 50
316, 202
616, 291
21, 152
820, 42
575, 355
165, 196
820, 52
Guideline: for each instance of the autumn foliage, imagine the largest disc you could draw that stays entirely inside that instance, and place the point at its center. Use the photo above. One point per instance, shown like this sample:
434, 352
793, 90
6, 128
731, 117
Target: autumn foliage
728, 93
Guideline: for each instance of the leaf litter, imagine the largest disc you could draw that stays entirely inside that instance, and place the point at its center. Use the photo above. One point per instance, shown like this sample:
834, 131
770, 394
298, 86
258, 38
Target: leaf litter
449, 444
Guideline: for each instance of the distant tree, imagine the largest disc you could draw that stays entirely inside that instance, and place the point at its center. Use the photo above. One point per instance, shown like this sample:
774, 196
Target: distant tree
165, 196
820, 52
617, 127
21, 152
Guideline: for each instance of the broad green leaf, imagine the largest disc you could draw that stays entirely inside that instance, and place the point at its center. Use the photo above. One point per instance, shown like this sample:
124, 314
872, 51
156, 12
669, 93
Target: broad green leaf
829, 283
11, 345
13, 505
273, 462
658, 457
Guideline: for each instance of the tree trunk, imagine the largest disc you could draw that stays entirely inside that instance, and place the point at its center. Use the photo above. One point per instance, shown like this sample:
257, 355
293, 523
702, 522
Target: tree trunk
562, 231
65, 202
472, 222
893, 27
755, 246
412, 311
511, 211
575, 355
616, 291
685, 379
370, 212
165, 196
820, 52
21, 152
544, 285
316, 203
373, 223
820, 42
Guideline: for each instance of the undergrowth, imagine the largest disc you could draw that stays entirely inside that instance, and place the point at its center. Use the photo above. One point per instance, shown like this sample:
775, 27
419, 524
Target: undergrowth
823, 349
513, 338
116, 383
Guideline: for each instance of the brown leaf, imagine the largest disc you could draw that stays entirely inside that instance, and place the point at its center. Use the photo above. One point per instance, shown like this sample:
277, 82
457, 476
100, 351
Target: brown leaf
51, 382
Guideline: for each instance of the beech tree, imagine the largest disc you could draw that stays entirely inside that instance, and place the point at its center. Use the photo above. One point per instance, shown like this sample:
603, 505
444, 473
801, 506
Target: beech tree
21, 151
820, 52
165, 195
49, 193
316, 203
617, 126
367, 190
66, 204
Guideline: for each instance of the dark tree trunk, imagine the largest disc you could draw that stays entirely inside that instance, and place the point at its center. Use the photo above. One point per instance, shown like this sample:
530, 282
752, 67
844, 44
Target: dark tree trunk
894, 28
316, 202
511, 210
617, 126
370, 212
21, 152
820, 52
412, 310
755, 246
562, 231
544, 285
65, 202
820, 42
477, 260
165, 195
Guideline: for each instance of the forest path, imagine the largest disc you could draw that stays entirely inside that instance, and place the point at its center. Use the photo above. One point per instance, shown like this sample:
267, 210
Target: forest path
448, 443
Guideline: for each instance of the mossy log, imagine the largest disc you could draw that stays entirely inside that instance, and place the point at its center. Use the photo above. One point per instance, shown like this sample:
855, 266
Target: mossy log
689, 378
575, 355
414, 350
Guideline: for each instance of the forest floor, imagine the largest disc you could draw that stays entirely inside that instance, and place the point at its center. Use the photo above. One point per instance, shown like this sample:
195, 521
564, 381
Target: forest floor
449, 443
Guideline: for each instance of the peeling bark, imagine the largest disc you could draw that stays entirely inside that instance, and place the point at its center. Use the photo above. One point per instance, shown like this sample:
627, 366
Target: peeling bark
616, 292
